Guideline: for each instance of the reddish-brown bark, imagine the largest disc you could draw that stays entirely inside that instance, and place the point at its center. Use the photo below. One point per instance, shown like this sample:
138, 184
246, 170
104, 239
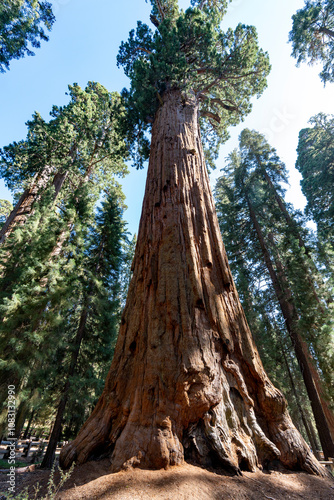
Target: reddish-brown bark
186, 378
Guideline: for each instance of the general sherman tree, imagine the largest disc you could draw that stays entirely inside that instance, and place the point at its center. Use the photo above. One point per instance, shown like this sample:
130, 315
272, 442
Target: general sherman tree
186, 380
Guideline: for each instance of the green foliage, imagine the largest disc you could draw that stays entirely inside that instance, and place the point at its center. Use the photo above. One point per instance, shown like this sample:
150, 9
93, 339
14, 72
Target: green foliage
101, 298
84, 140
315, 162
45, 300
189, 52
5, 465
312, 36
5, 208
52, 270
253, 177
22, 25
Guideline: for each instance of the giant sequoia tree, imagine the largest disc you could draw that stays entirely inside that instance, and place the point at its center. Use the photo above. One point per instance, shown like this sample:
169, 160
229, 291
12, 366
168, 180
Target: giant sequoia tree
186, 379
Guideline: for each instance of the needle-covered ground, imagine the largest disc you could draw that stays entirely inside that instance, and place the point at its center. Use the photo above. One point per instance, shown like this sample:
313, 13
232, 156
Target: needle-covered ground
94, 481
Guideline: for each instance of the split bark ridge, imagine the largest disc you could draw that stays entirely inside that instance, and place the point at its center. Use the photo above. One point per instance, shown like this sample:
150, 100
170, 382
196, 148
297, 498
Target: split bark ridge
186, 380
23, 208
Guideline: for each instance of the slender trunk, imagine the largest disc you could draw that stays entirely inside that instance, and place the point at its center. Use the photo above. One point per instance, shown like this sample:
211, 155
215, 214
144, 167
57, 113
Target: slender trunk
26, 432
186, 378
24, 206
292, 225
311, 365
312, 433
50, 453
56, 431
290, 315
309, 433
20, 418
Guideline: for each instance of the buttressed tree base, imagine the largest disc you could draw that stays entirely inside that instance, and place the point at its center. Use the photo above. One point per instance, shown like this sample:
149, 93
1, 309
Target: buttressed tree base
186, 381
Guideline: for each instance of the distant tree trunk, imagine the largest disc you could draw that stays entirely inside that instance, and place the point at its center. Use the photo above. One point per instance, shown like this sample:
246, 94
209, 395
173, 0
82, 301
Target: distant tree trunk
20, 418
291, 224
24, 206
306, 423
26, 432
56, 431
284, 297
186, 379
50, 453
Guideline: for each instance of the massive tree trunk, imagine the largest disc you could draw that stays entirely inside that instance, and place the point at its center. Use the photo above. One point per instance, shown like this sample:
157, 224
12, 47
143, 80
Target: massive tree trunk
186, 380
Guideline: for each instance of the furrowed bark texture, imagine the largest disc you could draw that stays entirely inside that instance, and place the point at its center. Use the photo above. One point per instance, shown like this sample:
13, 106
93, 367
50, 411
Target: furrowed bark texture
24, 207
186, 380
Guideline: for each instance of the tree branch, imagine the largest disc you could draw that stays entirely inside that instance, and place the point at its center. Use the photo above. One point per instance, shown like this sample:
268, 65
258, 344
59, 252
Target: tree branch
326, 31
204, 70
161, 12
142, 49
155, 21
228, 107
211, 115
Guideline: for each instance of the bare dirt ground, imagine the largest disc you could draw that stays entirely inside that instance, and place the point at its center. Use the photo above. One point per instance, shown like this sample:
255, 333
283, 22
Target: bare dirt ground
93, 481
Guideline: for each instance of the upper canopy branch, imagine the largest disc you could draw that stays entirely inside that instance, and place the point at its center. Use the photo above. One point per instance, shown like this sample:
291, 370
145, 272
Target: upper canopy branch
209, 114
326, 31
142, 49
161, 12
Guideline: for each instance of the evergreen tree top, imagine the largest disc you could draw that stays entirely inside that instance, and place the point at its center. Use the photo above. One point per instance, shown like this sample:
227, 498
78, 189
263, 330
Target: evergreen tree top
86, 137
256, 154
312, 36
22, 24
315, 162
189, 52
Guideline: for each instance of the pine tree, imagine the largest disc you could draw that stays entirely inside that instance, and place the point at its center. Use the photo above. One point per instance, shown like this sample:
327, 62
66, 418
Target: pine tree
44, 245
186, 374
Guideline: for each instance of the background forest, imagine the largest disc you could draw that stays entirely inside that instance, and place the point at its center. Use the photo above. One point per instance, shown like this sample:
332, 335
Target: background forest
67, 246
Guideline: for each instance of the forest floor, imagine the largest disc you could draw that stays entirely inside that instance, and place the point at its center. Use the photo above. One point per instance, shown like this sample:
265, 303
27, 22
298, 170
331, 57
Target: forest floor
93, 481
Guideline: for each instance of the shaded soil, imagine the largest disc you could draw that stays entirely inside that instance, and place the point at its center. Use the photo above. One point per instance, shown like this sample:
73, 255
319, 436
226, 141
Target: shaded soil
93, 481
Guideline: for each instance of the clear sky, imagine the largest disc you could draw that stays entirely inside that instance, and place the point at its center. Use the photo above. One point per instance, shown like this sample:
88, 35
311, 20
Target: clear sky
83, 46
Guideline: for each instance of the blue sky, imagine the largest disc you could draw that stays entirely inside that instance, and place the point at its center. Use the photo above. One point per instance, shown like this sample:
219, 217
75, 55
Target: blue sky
83, 46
